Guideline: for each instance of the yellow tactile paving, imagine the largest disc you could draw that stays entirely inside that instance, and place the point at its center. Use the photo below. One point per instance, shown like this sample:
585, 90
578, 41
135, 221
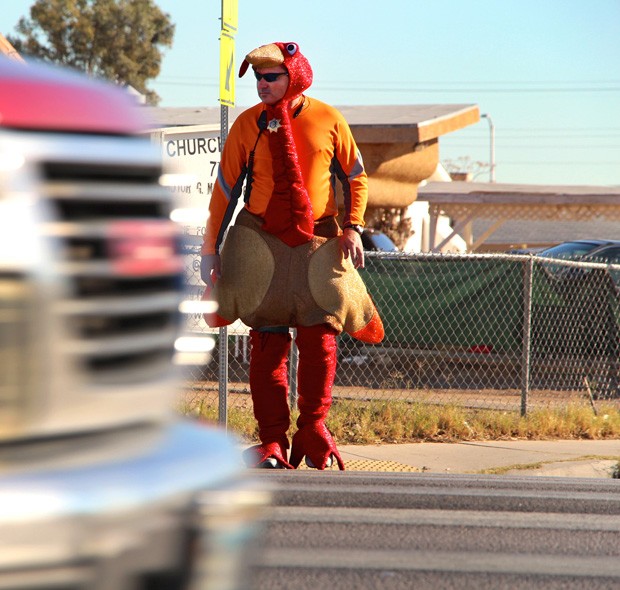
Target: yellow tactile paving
370, 465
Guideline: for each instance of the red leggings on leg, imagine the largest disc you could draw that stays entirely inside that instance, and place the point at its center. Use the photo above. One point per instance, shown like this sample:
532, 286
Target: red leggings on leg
318, 351
269, 388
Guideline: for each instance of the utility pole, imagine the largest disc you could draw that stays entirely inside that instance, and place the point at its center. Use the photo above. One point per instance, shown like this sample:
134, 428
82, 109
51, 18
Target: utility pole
227, 98
492, 146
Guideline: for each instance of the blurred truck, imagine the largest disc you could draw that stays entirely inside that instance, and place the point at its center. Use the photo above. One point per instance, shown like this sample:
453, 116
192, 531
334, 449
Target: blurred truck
102, 484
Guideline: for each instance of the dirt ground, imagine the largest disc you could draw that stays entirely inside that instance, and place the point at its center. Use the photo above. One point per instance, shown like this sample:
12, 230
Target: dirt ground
488, 399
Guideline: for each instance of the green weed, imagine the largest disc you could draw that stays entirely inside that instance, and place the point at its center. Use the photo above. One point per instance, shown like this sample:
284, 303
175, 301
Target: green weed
368, 422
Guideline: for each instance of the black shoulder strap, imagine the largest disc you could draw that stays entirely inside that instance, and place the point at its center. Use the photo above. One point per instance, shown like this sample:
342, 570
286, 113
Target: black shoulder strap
235, 192
262, 125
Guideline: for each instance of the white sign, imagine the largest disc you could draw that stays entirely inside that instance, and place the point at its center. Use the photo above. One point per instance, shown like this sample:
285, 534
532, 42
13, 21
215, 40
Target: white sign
191, 158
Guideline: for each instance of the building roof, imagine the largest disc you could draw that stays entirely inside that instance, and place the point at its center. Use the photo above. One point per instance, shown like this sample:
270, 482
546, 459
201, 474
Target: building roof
527, 194
370, 124
409, 132
526, 213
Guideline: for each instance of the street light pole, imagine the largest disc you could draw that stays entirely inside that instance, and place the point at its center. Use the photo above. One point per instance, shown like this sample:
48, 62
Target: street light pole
492, 142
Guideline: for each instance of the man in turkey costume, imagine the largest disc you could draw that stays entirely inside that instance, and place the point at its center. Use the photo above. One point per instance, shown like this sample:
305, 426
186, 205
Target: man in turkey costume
286, 262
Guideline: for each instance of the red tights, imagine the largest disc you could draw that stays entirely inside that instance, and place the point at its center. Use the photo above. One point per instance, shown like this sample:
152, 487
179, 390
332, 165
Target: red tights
269, 386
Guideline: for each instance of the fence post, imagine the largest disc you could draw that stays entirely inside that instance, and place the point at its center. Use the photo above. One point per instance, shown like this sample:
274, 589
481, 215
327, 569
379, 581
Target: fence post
222, 414
223, 344
292, 379
613, 341
527, 332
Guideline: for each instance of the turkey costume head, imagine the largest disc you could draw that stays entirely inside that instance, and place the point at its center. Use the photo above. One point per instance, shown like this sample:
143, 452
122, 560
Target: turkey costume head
282, 54
289, 214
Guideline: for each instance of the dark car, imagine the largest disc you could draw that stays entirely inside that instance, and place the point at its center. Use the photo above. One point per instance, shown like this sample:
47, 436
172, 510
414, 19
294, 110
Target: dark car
597, 251
580, 302
607, 251
377, 241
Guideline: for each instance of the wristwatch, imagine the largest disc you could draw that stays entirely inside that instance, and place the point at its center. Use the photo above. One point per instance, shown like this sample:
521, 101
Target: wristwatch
357, 228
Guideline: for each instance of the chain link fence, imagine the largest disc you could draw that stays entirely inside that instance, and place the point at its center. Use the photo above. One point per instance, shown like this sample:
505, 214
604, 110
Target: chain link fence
489, 331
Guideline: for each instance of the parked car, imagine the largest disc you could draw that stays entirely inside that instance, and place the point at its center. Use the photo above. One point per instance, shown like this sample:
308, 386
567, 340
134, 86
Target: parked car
607, 251
593, 250
581, 303
374, 240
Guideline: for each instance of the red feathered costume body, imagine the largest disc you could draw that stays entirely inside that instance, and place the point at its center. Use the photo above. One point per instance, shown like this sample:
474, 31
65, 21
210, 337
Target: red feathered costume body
281, 263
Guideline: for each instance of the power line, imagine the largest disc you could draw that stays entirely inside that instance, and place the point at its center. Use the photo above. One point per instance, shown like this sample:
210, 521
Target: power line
452, 87
449, 82
446, 82
552, 163
499, 82
561, 132
418, 90
562, 128
536, 139
536, 146
541, 137
193, 83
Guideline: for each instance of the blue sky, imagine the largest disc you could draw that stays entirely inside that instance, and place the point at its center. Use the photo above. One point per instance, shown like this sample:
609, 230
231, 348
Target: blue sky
546, 71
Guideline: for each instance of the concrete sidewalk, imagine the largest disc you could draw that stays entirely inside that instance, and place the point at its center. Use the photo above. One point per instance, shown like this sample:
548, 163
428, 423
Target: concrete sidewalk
566, 458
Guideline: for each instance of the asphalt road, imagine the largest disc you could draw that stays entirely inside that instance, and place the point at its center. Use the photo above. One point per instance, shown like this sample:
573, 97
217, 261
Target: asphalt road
353, 531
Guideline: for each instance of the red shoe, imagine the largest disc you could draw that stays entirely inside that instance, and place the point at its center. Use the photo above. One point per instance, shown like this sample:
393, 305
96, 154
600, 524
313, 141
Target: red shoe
315, 442
267, 456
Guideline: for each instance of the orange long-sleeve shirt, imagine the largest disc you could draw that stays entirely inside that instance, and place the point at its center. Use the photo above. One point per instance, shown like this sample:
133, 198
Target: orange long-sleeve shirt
326, 151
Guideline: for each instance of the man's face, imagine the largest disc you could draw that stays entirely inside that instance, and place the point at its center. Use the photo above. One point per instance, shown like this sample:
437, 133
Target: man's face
271, 92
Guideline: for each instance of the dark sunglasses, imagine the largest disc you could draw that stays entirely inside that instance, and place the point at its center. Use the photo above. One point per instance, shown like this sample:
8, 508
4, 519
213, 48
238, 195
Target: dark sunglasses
269, 77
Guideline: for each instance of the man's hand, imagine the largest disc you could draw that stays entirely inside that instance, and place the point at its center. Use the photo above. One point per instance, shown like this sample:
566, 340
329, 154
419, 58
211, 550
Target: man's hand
210, 269
351, 245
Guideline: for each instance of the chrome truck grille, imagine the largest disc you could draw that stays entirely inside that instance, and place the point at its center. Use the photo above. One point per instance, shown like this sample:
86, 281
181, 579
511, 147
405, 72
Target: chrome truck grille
85, 231
120, 261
